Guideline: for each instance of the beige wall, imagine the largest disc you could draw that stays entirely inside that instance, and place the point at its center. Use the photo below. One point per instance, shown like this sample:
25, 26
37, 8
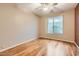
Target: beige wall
16, 26
69, 29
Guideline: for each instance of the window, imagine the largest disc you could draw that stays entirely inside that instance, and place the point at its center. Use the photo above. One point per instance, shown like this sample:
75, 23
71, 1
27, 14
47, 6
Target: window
55, 24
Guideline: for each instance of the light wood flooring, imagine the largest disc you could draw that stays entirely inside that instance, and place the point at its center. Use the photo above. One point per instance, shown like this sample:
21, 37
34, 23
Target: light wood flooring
42, 47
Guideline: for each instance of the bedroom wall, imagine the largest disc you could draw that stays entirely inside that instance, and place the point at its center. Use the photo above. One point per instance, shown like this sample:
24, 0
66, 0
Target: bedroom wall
16, 26
69, 27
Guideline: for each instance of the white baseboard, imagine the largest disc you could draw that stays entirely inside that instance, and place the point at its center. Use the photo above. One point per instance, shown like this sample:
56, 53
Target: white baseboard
76, 45
18, 44
58, 39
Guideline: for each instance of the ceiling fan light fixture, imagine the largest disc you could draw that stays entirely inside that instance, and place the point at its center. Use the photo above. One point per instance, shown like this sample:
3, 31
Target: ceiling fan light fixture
46, 6
45, 9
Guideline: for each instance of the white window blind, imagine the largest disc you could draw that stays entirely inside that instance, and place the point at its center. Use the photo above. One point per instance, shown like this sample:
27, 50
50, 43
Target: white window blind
55, 25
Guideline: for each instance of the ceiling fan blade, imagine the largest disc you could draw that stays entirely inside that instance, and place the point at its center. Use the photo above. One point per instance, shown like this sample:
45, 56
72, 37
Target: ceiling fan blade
55, 10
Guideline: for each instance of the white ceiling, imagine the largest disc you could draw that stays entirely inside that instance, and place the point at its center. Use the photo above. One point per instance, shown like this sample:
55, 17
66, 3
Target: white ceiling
61, 7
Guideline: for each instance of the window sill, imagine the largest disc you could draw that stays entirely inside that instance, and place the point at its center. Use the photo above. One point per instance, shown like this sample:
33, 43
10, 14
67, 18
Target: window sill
55, 33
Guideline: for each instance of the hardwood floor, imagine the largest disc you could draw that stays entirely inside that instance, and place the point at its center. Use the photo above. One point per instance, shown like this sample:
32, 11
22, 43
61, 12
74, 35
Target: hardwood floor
42, 47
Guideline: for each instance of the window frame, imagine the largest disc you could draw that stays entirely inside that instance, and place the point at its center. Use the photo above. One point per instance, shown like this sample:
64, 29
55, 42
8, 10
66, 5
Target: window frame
53, 25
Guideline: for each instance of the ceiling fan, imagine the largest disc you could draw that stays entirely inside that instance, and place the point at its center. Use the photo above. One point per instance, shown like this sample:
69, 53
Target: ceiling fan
46, 6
